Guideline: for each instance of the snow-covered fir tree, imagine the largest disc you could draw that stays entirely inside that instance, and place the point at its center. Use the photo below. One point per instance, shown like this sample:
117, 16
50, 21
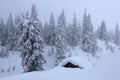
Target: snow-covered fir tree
117, 35
52, 30
17, 20
73, 33
31, 45
88, 38
46, 35
79, 34
97, 32
3, 34
60, 43
34, 15
110, 36
103, 32
18, 29
10, 32
27, 14
49, 32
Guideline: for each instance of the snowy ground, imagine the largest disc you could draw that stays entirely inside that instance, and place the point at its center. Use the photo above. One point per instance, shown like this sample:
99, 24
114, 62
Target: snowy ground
108, 68
105, 66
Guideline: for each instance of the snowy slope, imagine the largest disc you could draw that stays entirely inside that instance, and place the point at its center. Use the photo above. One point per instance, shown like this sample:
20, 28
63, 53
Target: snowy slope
108, 68
106, 65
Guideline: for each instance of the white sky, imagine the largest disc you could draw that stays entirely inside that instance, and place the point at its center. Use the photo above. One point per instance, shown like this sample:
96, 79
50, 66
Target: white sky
99, 9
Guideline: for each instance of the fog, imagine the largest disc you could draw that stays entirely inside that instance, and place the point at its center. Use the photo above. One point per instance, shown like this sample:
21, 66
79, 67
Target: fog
99, 9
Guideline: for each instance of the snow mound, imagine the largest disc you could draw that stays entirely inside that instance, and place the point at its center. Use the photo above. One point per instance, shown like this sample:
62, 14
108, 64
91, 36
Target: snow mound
81, 62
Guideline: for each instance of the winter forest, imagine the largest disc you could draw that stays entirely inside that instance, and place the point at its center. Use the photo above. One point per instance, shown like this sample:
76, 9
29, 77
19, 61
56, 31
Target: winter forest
31, 47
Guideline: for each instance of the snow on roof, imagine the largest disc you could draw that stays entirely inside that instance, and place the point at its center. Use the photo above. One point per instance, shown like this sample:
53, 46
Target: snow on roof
82, 62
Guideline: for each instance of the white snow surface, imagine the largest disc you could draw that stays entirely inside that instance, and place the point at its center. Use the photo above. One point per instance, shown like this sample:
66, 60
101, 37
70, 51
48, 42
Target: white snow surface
105, 66
108, 68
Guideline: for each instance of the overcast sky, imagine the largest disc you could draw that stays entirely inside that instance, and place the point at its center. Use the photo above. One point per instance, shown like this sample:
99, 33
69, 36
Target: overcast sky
99, 9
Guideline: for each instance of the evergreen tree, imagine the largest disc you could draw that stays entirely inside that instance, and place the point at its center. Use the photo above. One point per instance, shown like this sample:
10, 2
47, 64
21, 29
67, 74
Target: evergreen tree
18, 26
10, 33
79, 34
88, 38
60, 43
31, 47
2, 32
50, 36
73, 33
117, 35
110, 36
31, 43
18, 29
17, 20
27, 15
103, 32
52, 30
34, 15
46, 36
52, 20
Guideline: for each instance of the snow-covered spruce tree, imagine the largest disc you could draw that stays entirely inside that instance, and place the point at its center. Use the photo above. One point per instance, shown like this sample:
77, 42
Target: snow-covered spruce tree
79, 34
110, 36
117, 35
103, 32
45, 33
52, 30
97, 32
34, 15
2, 32
88, 38
27, 15
31, 47
74, 32
10, 29
17, 20
3, 50
60, 43
49, 32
